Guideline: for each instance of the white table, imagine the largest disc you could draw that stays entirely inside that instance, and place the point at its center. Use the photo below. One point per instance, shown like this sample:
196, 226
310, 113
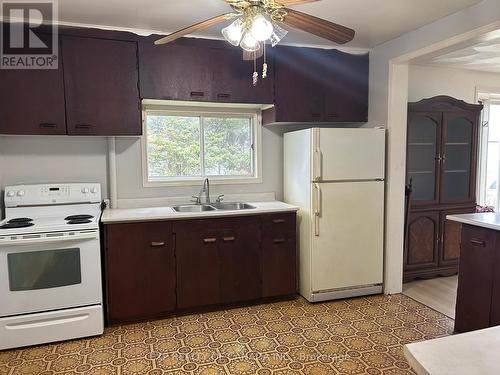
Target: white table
471, 353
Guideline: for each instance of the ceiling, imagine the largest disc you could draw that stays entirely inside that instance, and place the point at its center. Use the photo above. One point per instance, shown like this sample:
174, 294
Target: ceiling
484, 56
375, 21
480, 53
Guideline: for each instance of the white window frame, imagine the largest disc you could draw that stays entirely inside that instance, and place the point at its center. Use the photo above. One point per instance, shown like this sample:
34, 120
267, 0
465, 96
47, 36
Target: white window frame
486, 95
151, 107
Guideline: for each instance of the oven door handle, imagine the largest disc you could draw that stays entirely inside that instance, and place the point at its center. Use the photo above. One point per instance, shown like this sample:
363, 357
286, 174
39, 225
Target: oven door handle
54, 239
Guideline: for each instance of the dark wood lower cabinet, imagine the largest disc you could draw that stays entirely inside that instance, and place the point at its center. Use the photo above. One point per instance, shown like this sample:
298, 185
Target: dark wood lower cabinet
197, 259
423, 240
140, 271
478, 280
240, 260
433, 245
161, 268
279, 261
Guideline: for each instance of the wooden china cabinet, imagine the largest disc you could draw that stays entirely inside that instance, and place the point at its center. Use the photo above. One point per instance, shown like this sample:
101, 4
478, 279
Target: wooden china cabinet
441, 165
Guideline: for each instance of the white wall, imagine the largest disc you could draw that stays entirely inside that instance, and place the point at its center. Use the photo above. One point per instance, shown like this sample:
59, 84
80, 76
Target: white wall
30, 159
429, 81
388, 91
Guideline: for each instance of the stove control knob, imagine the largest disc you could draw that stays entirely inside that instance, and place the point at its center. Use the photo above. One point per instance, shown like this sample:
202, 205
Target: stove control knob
93, 190
11, 193
85, 190
20, 193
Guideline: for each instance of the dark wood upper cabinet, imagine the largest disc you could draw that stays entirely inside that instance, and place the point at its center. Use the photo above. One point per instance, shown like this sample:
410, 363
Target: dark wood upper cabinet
101, 83
346, 86
200, 71
140, 271
174, 72
231, 78
298, 93
318, 85
442, 151
32, 102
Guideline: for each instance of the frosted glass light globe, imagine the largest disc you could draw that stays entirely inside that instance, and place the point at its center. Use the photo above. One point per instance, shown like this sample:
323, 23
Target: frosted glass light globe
261, 28
234, 32
249, 43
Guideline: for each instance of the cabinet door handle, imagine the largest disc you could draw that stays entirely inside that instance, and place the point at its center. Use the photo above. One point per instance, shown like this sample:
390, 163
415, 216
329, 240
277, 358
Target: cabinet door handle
477, 242
278, 221
333, 115
157, 244
315, 115
210, 240
229, 239
83, 126
223, 96
279, 240
197, 93
48, 125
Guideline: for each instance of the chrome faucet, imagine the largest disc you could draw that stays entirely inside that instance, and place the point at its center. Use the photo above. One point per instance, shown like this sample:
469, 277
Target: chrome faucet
205, 189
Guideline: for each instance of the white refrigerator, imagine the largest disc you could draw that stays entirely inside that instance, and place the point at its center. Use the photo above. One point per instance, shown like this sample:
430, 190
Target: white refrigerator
336, 177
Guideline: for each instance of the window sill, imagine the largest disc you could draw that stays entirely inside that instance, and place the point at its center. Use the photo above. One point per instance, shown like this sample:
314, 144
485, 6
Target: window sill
199, 181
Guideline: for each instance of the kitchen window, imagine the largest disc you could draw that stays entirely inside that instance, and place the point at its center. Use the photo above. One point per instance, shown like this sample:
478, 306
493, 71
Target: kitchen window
184, 147
489, 192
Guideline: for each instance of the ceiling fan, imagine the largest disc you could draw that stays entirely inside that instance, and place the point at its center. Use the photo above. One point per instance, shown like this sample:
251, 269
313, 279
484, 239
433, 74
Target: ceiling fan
258, 22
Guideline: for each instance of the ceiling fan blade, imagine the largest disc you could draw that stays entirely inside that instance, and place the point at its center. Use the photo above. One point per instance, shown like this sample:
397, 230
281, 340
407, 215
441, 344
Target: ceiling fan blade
196, 27
289, 3
319, 27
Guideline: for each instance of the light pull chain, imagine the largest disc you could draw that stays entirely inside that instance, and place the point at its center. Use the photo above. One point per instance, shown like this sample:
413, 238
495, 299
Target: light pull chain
255, 77
264, 66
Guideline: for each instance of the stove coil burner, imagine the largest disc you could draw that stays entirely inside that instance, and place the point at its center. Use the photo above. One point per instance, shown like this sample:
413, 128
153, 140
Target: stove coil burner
79, 221
20, 220
13, 225
79, 217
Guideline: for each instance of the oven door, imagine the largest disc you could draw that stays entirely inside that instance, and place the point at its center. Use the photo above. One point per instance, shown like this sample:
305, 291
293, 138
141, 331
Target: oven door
41, 273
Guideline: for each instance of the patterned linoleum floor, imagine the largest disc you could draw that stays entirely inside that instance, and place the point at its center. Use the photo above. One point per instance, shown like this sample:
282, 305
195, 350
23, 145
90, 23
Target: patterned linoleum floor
355, 336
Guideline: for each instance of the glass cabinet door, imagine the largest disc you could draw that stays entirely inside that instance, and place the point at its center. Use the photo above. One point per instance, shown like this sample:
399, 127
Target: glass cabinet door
422, 152
456, 158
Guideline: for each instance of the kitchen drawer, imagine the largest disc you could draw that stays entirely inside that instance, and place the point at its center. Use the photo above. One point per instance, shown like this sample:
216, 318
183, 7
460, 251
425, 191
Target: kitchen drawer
280, 225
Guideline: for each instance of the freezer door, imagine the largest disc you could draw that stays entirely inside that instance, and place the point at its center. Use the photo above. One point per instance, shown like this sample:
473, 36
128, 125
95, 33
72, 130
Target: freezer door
347, 238
348, 154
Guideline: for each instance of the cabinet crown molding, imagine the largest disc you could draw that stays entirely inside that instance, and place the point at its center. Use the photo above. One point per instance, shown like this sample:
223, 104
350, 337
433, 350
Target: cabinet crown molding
443, 103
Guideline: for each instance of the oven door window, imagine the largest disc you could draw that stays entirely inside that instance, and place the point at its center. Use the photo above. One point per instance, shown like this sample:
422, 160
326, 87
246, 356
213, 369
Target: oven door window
44, 269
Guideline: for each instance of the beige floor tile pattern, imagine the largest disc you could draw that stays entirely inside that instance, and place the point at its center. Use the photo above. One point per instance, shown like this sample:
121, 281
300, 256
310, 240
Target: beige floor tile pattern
354, 336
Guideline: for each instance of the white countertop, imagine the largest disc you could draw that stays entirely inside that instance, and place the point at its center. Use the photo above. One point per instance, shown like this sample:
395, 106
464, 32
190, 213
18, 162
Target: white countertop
490, 220
475, 352
119, 215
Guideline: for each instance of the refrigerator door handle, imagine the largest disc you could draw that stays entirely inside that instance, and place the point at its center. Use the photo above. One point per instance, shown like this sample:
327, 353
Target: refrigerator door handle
317, 209
317, 164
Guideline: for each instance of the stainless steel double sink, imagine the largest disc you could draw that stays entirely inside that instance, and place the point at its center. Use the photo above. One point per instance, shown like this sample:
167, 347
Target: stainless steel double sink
229, 206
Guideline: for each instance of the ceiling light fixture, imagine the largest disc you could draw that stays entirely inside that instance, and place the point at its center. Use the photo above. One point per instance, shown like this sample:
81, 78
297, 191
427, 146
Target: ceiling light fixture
259, 22
255, 26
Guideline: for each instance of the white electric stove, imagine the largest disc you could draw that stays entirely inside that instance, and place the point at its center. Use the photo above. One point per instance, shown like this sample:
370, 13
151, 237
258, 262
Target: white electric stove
50, 264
